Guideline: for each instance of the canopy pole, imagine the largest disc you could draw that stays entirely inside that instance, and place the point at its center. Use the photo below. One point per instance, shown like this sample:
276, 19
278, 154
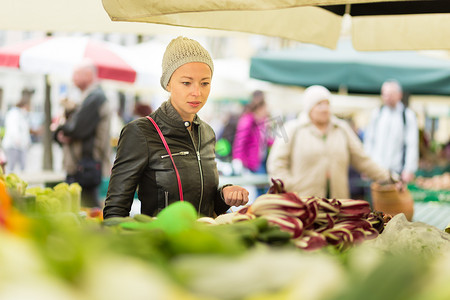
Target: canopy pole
347, 8
47, 139
47, 134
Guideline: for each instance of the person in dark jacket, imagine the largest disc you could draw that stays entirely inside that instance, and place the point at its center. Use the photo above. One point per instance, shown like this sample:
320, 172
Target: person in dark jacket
86, 131
142, 161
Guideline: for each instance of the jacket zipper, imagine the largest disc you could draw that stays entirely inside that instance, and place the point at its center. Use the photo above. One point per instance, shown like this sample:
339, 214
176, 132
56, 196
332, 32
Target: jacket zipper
175, 154
199, 167
166, 198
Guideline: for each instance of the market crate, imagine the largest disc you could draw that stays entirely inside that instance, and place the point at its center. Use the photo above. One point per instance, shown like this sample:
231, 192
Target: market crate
425, 195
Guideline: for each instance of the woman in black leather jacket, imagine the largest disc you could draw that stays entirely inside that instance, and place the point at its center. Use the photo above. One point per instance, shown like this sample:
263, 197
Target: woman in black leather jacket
142, 161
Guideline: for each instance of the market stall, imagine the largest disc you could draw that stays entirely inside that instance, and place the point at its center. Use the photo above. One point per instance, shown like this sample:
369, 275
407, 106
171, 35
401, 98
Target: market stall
277, 248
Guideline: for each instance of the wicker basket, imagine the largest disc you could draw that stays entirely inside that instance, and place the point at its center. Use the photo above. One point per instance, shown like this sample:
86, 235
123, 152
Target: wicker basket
387, 199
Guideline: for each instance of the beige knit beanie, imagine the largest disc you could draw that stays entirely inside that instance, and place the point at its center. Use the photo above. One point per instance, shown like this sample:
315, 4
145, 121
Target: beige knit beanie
181, 51
313, 95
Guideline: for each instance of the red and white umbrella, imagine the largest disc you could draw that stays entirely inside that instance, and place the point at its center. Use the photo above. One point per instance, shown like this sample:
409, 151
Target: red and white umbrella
59, 55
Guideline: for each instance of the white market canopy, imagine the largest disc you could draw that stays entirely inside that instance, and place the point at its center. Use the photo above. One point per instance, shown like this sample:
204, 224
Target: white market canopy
76, 16
376, 24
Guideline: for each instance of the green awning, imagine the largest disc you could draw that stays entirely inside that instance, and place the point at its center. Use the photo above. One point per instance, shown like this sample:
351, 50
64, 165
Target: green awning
358, 72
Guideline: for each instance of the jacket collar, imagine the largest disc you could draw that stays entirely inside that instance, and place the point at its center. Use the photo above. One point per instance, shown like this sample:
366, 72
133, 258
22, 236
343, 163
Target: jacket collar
304, 120
171, 116
398, 107
90, 89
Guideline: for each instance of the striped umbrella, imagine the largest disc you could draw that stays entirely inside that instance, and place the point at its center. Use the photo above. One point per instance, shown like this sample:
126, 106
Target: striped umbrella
59, 55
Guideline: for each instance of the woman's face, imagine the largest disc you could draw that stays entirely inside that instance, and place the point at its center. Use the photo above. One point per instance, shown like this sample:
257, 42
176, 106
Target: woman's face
320, 113
261, 112
189, 87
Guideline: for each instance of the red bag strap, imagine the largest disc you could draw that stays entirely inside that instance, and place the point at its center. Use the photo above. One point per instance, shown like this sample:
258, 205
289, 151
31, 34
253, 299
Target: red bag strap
180, 189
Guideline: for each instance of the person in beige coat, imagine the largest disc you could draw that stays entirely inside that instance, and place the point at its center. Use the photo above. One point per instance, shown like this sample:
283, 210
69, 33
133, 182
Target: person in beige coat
315, 159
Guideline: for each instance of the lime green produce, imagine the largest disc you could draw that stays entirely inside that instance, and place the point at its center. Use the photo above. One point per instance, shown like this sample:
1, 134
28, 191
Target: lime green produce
175, 218
223, 147
46, 202
16, 184
175, 230
75, 194
143, 218
114, 221
62, 198
61, 192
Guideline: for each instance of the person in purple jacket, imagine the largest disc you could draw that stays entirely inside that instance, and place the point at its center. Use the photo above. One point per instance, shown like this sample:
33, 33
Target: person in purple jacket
252, 138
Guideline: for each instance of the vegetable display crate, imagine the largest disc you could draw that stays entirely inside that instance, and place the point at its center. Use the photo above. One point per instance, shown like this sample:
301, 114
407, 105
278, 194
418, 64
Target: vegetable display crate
426, 195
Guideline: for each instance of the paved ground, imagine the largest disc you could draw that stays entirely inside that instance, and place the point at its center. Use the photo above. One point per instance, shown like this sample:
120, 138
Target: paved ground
35, 157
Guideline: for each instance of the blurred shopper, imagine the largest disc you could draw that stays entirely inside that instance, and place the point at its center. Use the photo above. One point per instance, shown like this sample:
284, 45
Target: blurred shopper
17, 138
169, 156
86, 132
391, 138
226, 138
141, 110
320, 148
252, 138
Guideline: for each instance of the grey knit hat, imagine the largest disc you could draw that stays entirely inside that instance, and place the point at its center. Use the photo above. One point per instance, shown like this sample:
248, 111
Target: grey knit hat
181, 51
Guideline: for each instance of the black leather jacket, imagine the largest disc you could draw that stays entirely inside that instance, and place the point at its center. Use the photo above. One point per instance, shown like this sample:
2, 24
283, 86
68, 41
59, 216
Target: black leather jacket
142, 162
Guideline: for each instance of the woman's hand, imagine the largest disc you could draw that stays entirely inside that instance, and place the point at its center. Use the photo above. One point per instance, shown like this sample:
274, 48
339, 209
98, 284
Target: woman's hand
235, 195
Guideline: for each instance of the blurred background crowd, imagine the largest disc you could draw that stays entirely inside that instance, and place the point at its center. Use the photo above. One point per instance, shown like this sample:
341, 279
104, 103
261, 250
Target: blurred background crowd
236, 102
